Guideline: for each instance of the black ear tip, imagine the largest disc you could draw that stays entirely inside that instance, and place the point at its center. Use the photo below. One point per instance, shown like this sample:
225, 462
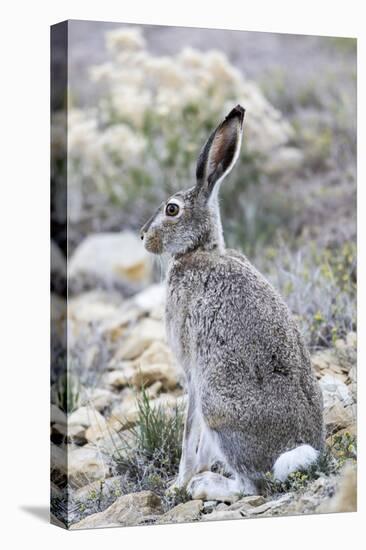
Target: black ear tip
237, 112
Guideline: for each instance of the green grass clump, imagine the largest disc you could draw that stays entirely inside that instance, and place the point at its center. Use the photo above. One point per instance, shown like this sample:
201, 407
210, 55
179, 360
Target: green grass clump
150, 452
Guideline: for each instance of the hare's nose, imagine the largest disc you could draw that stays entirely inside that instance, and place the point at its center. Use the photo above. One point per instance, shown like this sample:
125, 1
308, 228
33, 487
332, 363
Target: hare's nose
142, 234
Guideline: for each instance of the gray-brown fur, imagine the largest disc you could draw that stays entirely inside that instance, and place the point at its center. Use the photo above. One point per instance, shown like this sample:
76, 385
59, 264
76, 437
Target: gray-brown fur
249, 376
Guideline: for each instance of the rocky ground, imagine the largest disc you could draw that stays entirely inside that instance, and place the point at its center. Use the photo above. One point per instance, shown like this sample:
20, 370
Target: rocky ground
117, 357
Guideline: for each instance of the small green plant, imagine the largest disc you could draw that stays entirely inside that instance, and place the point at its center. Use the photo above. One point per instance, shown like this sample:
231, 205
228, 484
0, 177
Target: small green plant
149, 454
344, 447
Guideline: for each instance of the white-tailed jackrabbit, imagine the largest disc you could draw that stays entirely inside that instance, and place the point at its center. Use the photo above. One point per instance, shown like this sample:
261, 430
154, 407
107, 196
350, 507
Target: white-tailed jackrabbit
253, 401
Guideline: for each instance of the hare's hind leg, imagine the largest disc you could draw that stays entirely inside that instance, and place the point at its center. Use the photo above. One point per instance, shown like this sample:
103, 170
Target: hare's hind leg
212, 486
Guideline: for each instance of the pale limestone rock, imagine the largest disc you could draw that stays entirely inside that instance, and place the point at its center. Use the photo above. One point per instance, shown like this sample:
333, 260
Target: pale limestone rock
86, 464
184, 512
100, 398
131, 509
267, 507
150, 298
337, 417
140, 338
254, 500
86, 416
94, 306
115, 327
351, 339
345, 497
118, 379
334, 391
114, 259
148, 374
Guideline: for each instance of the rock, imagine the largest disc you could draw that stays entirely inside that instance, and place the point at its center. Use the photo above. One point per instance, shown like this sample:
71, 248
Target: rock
345, 497
338, 361
95, 433
222, 506
351, 339
94, 306
326, 362
149, 374
101, 398
115, 327
339, 411
269, 506
125, 414
86, 416
150, 298
110, 260
308, 500
184, 512
157, 352
253, 500
156, 363
210, 506
120, 378
154, 390
86, 464
334, 391
132, 509
337, 417
140, 338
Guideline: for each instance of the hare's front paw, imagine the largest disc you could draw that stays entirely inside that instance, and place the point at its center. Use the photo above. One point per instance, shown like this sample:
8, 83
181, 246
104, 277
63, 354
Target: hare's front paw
212, 486
176, 486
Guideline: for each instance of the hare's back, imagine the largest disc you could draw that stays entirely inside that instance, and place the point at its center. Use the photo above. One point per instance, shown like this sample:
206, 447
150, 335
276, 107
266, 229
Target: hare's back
237, 316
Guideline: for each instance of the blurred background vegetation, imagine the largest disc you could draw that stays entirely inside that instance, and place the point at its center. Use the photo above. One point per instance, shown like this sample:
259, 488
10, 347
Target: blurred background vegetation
142, 101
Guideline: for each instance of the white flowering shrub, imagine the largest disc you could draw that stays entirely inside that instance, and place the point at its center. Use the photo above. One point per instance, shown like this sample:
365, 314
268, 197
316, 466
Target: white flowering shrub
141, 140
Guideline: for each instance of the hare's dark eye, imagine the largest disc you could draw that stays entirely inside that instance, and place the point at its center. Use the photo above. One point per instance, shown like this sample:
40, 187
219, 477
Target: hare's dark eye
172, 209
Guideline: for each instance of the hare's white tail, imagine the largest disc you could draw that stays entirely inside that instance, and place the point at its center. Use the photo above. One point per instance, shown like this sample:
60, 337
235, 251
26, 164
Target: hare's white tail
297, 459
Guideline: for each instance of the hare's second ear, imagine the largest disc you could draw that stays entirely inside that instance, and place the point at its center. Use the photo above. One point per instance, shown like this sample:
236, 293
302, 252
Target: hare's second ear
220, 152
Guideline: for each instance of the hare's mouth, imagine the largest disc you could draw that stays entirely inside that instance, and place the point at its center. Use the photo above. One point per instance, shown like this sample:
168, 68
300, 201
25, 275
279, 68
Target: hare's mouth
153, 243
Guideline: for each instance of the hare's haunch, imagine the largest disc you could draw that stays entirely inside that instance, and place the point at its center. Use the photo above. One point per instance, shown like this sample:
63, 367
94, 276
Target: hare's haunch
253, 401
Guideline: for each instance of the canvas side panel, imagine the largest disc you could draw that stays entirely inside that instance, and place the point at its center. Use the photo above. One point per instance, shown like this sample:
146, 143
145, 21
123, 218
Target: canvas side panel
59, 382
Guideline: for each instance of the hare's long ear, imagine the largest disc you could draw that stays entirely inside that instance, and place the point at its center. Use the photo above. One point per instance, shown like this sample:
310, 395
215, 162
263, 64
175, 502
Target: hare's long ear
220, 152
